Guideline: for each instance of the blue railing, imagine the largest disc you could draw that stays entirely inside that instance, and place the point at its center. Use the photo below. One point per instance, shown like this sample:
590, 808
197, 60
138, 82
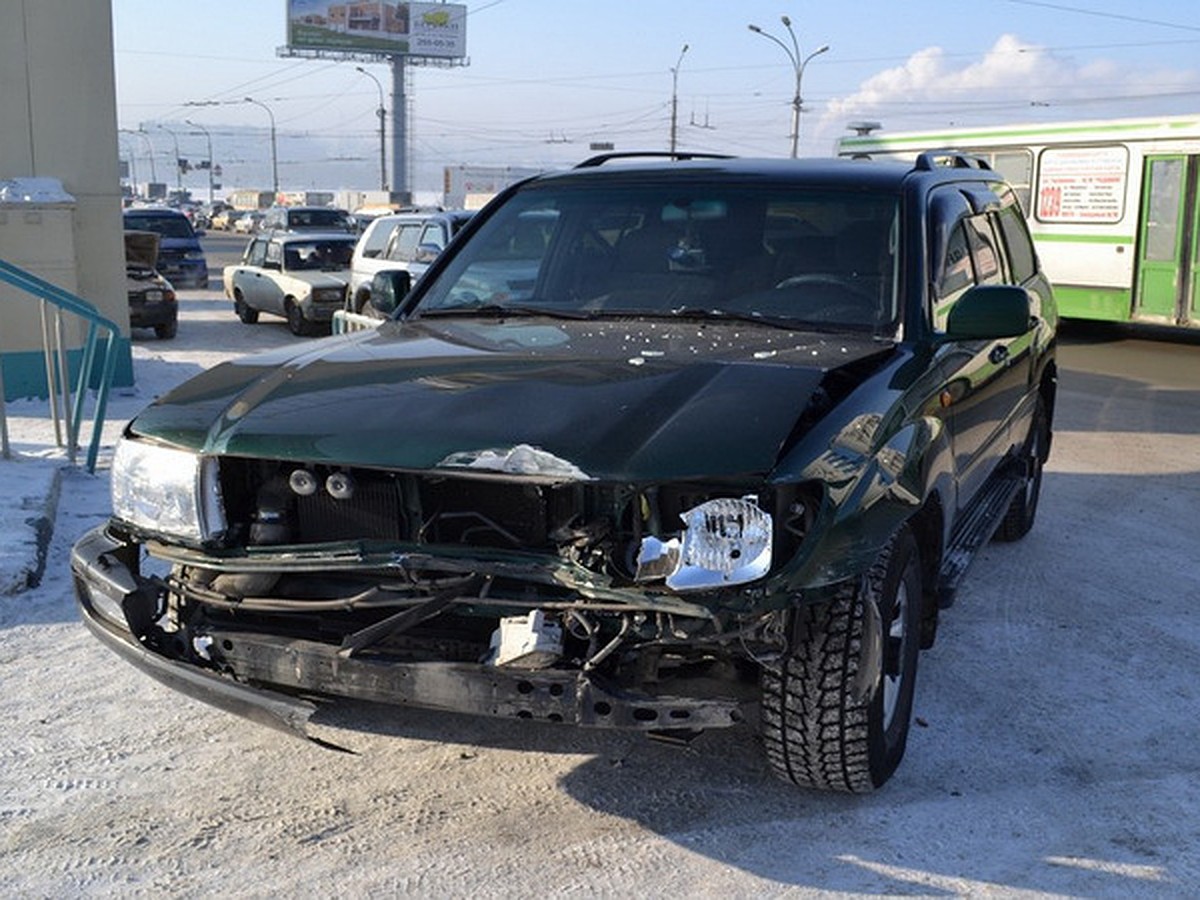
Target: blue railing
58, 378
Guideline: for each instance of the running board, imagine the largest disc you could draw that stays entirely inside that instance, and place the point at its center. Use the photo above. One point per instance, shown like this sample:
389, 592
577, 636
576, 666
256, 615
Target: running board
975, 529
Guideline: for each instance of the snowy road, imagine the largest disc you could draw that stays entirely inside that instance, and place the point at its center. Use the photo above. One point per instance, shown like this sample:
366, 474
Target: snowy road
1057, 747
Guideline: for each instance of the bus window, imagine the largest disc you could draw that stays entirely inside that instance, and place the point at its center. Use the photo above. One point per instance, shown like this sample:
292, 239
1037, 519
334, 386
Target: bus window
1017, 168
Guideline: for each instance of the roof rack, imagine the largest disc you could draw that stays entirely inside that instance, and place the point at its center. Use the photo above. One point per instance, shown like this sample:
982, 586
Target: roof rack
947, 158
603, 158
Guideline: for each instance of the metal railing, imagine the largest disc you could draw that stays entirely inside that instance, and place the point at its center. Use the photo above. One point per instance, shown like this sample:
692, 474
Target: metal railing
66, 407
345, 322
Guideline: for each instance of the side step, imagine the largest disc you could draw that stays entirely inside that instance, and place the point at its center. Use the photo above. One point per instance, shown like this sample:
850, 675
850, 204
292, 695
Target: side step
976, 528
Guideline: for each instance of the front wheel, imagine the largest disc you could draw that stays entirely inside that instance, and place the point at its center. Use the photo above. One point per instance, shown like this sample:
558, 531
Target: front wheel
836, 710
295, 319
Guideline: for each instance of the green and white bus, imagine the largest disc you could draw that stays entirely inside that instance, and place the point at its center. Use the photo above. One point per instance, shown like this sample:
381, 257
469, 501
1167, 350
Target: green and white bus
1114, 207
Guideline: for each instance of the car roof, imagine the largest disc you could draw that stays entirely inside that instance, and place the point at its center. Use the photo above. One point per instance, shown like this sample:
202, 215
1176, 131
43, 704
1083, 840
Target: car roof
307, 237
416, 216
152, 211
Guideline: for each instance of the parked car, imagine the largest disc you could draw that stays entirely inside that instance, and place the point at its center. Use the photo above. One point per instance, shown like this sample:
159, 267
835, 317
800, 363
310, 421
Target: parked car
726, 441
152, 302
207, 211
226, 219
180, 257
307, 218
301, 277
409, 241
250, 222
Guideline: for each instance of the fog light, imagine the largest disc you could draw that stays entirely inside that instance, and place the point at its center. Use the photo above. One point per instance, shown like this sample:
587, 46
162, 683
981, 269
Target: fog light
303, 482
340, 486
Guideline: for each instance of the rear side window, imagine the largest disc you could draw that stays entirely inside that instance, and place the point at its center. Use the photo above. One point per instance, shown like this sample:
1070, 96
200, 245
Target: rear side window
1021, 258
988, 269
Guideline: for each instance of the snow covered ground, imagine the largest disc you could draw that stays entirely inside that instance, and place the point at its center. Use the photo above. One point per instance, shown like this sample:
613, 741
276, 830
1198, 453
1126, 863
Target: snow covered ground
1056, 750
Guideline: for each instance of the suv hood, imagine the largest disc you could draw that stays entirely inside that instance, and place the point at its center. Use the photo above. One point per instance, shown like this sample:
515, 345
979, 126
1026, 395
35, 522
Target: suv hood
612, 400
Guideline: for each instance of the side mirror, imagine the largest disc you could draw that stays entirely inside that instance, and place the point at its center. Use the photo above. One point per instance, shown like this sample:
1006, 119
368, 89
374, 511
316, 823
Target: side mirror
990, 311
388, 288
426, 253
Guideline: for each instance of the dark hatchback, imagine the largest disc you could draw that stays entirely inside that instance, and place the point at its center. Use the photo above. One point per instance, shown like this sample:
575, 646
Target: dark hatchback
152, 302
180, 257
653, 446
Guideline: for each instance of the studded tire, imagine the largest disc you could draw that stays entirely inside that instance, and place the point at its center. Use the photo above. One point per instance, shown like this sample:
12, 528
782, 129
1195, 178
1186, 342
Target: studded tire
826, 722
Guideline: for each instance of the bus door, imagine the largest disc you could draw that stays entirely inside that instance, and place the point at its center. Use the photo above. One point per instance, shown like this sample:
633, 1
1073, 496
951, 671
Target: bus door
1168, 274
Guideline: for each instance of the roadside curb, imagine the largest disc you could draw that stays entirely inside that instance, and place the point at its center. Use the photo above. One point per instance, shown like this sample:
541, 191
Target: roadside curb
24, 542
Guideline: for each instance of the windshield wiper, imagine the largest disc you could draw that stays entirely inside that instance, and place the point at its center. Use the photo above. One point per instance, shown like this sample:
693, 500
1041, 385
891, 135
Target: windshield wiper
500, 310
697, 312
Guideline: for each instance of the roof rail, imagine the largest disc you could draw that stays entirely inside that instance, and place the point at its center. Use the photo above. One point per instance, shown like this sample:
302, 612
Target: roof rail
948, 158
601, 159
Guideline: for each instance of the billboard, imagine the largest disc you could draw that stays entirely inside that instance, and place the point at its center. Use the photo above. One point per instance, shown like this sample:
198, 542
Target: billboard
396, 29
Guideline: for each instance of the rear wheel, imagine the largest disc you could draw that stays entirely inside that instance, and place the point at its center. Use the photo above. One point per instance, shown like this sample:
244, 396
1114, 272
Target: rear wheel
167, 330
1021, 513
836, 711
245, 313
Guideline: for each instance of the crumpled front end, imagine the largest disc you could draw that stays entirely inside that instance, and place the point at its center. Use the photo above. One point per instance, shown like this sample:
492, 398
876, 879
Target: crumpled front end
539, 595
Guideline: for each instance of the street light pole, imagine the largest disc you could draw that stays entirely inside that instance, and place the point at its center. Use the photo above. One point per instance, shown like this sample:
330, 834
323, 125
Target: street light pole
149, 146
382, 133
178, 167
675, 96
208, 139
798, 64
274, 157
132, 162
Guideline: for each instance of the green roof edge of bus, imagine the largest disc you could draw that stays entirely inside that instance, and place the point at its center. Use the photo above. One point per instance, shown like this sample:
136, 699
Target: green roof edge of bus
923, 138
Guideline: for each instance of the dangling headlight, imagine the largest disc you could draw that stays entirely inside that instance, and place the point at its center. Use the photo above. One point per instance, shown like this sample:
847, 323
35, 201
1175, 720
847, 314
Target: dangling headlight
724, 542
167, 491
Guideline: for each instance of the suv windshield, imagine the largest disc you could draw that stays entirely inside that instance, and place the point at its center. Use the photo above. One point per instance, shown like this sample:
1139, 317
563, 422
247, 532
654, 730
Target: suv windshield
332, 219
167, 225
781, 253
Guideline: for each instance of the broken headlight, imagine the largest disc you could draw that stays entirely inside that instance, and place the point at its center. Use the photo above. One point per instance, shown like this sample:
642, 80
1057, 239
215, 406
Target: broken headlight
724, 542
166, 491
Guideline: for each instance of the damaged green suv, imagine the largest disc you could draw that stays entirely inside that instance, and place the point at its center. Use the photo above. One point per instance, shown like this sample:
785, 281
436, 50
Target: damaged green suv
662, 445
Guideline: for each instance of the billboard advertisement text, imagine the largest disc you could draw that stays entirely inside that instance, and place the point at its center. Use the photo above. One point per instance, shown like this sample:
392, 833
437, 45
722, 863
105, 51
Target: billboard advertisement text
398, 29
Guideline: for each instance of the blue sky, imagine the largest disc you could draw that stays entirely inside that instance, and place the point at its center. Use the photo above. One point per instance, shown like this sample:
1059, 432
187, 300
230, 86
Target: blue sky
547, 77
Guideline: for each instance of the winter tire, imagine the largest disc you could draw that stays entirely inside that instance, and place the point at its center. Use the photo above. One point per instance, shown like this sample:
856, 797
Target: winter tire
826, 722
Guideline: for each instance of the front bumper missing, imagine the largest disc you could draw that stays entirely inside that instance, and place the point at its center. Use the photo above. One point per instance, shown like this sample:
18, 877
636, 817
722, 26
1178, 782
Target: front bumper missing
271, 669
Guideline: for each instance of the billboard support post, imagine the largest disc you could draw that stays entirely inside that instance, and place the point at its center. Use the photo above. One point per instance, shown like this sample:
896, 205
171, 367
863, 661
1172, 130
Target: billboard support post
400, 131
